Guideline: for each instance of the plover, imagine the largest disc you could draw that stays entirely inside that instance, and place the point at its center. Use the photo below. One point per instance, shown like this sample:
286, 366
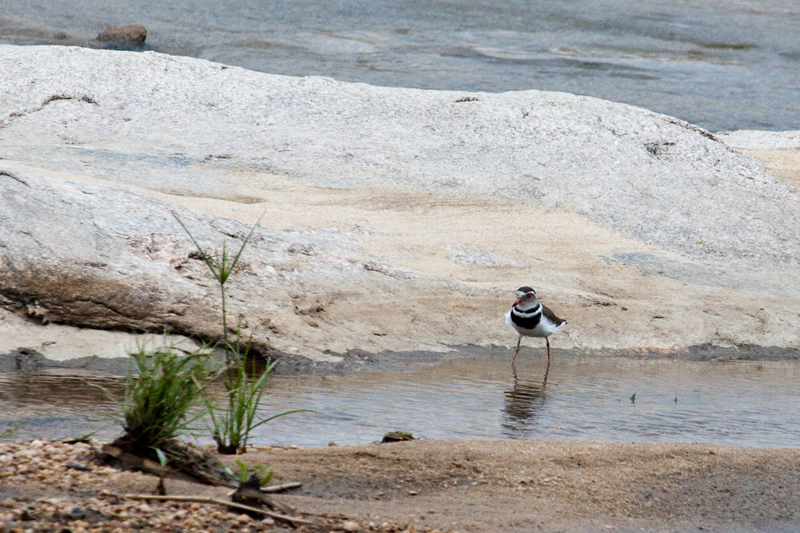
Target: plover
531, 319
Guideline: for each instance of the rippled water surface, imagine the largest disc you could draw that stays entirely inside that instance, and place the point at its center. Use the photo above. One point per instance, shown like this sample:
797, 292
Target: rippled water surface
744, 403
720, 64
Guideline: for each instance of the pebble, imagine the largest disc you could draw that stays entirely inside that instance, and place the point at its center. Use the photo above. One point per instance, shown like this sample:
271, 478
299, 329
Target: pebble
351, 525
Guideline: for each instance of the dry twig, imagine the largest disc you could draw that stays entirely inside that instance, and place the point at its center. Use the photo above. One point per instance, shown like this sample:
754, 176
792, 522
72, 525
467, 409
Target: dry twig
202, 499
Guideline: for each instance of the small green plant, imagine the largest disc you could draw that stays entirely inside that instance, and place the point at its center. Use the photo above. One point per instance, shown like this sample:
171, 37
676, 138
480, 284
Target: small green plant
243, 391
246, 474
161, 391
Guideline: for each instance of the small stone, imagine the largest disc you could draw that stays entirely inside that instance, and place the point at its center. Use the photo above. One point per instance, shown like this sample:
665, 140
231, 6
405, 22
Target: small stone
134, 34
350, 525
397, 436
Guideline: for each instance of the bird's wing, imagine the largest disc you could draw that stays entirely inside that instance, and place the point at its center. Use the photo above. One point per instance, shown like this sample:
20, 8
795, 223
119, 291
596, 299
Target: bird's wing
552, 317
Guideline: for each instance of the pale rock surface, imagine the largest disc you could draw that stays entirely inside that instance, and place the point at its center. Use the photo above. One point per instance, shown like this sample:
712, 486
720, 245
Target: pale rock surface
395, 219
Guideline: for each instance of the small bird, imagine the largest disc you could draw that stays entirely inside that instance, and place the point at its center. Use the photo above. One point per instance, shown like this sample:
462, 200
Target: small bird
531, 319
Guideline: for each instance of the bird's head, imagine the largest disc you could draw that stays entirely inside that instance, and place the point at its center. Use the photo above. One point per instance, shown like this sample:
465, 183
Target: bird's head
526, 298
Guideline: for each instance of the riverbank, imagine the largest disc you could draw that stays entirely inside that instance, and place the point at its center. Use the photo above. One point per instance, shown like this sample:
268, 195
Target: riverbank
431, 485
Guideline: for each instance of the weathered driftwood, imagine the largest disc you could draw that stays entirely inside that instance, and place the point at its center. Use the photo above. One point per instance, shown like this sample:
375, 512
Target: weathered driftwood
194, 463
281, 488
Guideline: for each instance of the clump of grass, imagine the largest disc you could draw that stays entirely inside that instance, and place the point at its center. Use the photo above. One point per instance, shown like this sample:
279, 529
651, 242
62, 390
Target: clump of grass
161, 391
243, 390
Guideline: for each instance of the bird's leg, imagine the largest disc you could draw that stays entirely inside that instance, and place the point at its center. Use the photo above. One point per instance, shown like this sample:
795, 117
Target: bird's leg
546, 372
548, 351
515, 353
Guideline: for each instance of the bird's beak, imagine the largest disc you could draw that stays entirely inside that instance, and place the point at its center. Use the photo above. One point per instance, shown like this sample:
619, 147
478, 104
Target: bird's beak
519, 301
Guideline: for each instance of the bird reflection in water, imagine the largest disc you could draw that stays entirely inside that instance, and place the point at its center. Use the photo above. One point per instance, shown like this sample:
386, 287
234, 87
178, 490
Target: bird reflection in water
523, 401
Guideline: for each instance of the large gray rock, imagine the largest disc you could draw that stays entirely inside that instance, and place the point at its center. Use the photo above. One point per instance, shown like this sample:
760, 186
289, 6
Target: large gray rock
411, 215
149, 119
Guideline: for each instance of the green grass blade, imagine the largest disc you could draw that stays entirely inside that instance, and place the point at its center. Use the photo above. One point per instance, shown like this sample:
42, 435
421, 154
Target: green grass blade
203, 254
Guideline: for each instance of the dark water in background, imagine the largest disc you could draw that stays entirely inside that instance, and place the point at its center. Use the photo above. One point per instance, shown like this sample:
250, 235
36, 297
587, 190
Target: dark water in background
740, 403
721, 64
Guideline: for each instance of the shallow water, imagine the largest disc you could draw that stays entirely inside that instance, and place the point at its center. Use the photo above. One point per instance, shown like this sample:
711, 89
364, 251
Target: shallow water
742, 403
720, 64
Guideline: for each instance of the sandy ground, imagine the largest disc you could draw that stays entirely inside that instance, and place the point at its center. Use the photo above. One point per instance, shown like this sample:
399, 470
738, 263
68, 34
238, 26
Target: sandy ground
449, 485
